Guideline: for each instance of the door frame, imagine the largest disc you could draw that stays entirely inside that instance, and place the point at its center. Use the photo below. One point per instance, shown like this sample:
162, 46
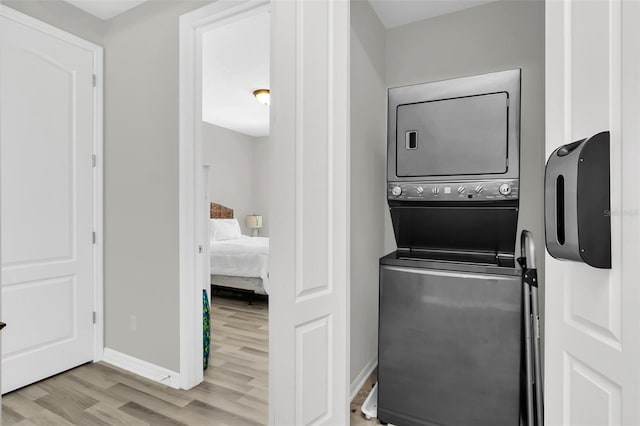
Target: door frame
192, 26
98, 171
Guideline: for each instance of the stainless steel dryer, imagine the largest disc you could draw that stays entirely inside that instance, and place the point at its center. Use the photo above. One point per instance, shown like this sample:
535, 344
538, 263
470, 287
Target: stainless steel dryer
450, 324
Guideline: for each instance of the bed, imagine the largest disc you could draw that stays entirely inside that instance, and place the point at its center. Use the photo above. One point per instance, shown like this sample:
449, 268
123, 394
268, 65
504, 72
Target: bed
237, 261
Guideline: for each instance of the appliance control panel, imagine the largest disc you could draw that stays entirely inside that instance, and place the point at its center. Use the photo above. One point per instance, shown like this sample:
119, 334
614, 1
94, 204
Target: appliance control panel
491, 190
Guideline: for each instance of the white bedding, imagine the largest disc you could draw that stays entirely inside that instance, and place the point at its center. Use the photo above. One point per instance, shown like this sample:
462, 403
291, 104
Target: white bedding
242, 257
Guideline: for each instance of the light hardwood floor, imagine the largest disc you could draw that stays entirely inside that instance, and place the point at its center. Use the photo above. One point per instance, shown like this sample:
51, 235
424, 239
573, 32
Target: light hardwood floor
234, 391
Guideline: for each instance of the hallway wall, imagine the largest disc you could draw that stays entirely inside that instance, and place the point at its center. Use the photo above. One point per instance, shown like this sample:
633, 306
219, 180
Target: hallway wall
141, 181
368, 202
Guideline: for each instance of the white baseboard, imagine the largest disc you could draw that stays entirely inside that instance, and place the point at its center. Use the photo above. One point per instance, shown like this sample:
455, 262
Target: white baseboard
362, 377
142, 368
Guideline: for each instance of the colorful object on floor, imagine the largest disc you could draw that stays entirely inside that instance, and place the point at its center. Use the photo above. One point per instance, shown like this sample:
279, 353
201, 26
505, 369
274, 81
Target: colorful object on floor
206, 329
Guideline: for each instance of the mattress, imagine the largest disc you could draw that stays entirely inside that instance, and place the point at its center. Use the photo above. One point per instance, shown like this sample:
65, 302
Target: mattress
242, 257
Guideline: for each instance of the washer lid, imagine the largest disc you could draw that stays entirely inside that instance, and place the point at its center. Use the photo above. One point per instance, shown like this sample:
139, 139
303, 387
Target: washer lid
471, 228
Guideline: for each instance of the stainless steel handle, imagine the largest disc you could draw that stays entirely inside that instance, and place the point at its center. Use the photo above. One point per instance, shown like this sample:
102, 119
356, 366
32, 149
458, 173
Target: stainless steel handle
535, 408
528, 248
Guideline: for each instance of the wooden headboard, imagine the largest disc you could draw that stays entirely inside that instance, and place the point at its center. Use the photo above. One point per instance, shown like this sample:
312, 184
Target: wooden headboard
218, 211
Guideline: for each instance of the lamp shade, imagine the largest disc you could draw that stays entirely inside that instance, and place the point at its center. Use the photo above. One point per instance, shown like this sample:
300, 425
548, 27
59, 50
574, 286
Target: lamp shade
254, 221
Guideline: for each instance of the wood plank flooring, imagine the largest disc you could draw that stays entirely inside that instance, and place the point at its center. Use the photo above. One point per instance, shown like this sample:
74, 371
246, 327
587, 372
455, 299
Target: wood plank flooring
234, 391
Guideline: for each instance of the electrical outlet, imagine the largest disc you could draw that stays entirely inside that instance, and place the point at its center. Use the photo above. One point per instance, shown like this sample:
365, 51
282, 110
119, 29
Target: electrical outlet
134, 323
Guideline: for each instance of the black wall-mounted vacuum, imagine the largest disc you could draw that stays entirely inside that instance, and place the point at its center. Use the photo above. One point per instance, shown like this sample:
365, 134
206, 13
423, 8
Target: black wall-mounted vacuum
577, 202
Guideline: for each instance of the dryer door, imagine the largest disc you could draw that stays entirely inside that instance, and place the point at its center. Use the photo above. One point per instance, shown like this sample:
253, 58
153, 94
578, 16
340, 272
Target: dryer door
461, 136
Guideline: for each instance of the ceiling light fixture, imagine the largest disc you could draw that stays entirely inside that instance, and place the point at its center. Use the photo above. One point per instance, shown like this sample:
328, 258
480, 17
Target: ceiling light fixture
262, 96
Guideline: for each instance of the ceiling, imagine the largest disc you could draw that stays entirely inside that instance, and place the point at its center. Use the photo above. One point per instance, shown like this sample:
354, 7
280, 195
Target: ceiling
235, 62
236, 56
105, 9
394, 13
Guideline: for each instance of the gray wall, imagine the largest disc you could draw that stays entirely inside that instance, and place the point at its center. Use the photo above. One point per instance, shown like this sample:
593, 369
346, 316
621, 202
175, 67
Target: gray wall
368, 147
492, 37
238, 170
496, 36
141, 181
62, 15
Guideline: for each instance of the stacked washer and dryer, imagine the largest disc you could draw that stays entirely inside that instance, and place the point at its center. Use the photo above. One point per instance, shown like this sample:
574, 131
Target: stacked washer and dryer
454, 329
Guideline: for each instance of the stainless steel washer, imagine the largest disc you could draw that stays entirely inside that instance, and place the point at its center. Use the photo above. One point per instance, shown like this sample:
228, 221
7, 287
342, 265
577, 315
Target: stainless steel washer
449, 343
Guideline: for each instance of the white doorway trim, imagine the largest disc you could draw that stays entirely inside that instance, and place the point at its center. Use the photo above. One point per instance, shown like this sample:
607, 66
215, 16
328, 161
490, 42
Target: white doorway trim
97, 53
192, 26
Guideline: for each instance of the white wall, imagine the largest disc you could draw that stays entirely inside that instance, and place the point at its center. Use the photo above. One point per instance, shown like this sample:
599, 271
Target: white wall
368, 148
237, 178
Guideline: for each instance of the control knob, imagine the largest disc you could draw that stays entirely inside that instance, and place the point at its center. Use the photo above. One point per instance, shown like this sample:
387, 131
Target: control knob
479, 189
461, 189
505, 189
419, 190
396, 190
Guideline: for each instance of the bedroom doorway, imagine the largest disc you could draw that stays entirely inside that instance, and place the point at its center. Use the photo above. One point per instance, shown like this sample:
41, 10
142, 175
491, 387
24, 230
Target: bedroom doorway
230, 128
234, 140
308, 154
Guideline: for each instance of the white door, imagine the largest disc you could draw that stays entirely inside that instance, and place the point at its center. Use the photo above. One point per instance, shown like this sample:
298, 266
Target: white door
592, 354
46, 146
309, 239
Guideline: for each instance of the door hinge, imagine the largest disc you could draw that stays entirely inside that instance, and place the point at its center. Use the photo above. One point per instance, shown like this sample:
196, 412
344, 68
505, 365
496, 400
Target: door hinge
94, 317
93, 237
93, 80
93, 160
508, 102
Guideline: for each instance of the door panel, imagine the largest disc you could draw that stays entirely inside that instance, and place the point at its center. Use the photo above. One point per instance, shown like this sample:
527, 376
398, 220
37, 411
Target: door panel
308, 262
312, 148
31, 239
593, 398
313, 352
47, 115
47, 297
592, 376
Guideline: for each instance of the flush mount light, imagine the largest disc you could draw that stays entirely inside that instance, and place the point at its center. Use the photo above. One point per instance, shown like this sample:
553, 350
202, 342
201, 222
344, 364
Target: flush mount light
262, 96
